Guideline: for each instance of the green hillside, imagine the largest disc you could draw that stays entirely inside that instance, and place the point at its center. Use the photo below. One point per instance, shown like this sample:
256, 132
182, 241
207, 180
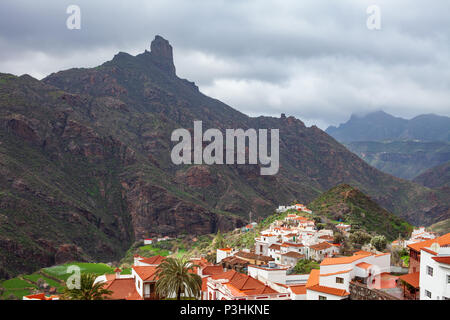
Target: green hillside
349, 205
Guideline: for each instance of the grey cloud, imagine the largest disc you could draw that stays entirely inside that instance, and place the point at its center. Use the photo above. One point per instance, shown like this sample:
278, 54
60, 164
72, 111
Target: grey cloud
312, 59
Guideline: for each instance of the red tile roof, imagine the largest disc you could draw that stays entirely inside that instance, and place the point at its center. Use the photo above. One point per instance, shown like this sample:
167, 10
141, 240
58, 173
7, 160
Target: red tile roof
252, 256
444, 260
210, 270
411, 278
313, 278
342, 260
155, 260
298, 289
329, 290
243, 285
122, 289
443, 240
293, 254
290, 244
146, 273
362, 252
334, 273
321, 246
275, 246
364, 265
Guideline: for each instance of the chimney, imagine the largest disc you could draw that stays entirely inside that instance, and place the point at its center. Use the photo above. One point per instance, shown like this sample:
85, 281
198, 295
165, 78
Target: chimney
117, 271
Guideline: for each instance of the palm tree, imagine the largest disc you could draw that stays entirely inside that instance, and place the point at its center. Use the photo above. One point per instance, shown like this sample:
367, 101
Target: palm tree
88, 289
175, 276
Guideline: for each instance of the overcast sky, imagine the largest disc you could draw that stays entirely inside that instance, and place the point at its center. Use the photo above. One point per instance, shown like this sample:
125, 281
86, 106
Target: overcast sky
315, 60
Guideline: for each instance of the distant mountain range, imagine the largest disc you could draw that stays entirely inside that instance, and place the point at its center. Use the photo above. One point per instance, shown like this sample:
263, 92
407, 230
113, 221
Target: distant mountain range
403, 159
403, 148
380, 126
85, 167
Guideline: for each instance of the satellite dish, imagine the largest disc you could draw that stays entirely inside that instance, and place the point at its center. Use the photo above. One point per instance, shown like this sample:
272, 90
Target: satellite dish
435, 247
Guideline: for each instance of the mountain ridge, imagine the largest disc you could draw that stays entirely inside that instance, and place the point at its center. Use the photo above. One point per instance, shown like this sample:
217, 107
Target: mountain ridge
89, 150
381, 126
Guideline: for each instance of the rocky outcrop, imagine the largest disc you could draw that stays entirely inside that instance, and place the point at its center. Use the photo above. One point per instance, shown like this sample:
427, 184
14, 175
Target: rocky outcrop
161, 52
156, 211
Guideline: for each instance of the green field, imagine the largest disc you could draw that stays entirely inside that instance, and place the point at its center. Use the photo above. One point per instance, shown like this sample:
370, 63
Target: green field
154, 251
25, 284
15, 287
60, 272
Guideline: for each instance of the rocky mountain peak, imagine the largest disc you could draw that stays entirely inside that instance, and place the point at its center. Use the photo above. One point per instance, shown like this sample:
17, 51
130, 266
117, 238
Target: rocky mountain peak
162, 52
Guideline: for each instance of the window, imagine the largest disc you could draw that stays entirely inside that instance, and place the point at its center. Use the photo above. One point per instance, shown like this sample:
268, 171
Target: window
339, 280
430, 271
428, 293
448, 279
322, 298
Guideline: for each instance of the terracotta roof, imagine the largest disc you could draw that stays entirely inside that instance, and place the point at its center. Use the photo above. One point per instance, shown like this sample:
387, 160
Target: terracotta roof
342, 260
429, 251
444, 260
275, 246
290, 244
146, 273
334, 273
443, 240
243, 285
326, 237
210, 270
290, 235
362, 252
235, 260
382, 254
329, 290
321, 246
293, 254
122, 289
411, 278
252, 256
155, 260
202, 262
364, 265
226, 249
313, 278
298, 289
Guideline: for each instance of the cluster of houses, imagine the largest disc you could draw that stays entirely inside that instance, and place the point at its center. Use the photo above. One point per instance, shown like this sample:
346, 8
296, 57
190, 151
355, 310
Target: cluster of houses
418, 235
266, 271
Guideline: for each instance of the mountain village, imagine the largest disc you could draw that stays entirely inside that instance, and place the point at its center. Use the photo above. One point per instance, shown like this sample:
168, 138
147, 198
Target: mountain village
267, 271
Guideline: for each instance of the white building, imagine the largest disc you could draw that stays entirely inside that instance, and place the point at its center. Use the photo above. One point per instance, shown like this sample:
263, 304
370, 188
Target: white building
148, 241
224, 253
332, 281
434, 280
263, 243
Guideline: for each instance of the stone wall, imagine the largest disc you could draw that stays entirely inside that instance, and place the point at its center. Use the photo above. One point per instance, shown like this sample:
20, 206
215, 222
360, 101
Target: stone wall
361, 292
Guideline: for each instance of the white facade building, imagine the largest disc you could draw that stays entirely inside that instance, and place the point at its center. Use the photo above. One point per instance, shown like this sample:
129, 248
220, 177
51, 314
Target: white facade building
435, 273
